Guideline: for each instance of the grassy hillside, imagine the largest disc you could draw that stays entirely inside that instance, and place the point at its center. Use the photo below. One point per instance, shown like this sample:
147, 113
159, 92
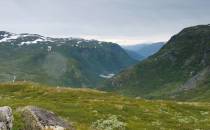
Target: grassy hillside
83, 107
180, 67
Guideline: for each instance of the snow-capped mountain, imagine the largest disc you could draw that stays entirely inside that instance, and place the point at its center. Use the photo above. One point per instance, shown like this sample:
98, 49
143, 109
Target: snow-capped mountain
27, 39
59, 61
24, 38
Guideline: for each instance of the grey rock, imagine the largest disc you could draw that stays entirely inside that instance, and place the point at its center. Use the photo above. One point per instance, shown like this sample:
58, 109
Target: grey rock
3, 126
40, 119
6, 118
195, 80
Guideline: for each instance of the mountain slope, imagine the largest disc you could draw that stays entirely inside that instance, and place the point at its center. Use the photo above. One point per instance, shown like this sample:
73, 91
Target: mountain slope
134, 55
142, 51
180, 67
58, 61
85, 108
150, 49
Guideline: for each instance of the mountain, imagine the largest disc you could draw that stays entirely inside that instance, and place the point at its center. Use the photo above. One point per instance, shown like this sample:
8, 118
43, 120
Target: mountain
88, 109
142, 51
134, 54
59, 61
180, 70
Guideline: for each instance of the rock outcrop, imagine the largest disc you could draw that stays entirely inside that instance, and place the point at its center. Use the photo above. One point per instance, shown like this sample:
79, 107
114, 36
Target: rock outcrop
3, 126
6, 118
196, 80
40, 119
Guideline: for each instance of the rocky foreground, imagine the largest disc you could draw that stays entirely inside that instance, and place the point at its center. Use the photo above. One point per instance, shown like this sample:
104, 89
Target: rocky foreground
87, 109
6, 118
34, 119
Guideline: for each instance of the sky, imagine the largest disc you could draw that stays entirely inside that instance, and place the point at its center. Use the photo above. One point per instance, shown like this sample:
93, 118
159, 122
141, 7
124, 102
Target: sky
125, 22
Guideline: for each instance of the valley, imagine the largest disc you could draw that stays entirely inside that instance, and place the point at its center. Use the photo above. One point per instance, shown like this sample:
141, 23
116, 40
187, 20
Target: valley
168, 90
105, 65
144, 50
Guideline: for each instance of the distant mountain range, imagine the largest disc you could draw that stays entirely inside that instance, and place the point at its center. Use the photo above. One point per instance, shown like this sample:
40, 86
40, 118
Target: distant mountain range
142, 51
180, 70
59, 61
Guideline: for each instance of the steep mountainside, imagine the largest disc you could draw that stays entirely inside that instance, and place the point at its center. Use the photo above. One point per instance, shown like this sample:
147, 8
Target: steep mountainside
142, 51
58, 61
179, 70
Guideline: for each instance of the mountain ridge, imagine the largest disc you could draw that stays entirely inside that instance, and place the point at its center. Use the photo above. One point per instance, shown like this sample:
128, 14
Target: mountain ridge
143, 51
170, 73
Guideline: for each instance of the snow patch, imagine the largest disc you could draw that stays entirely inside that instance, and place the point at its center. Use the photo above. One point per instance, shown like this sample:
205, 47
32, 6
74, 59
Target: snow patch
42, 39
100, 42
49, 48
9, 38
78, 42
108, 76
32, 42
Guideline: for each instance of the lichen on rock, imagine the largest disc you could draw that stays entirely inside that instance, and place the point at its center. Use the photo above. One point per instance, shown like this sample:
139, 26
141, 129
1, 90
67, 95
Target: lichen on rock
40, 119
3, 126
6, 118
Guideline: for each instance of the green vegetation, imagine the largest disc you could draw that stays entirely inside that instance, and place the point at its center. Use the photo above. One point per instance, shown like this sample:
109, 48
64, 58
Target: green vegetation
179, 71
180, 66
87, 109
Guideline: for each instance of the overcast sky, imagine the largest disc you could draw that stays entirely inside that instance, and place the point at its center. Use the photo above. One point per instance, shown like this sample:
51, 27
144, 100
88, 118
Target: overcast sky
121, 21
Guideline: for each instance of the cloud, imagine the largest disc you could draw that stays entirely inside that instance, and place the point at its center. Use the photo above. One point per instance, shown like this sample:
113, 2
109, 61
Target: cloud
141, 20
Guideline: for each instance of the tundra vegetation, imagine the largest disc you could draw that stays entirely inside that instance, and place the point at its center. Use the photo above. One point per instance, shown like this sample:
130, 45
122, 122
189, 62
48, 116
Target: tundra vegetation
88, 109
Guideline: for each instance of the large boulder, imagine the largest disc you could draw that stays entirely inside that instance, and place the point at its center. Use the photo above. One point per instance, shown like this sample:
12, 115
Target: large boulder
40, 119
3, 126
6, 118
